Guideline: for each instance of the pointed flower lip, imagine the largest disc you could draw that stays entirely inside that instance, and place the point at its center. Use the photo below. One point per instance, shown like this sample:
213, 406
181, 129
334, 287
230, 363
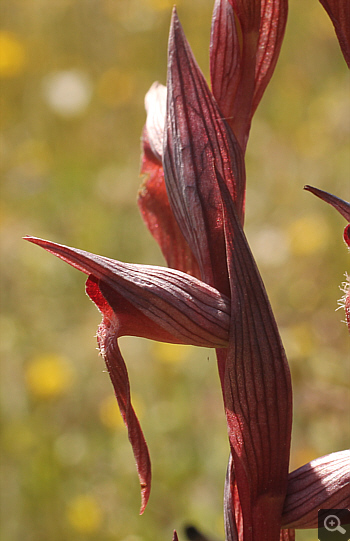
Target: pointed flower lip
323, 483
188, 310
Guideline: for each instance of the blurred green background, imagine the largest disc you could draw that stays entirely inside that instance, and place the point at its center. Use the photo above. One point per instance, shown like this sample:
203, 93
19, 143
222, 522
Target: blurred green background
73, 77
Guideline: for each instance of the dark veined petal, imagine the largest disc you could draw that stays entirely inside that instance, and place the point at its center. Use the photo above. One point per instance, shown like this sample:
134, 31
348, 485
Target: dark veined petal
246, 39
154, 302
323, 483
156, 212
339, 13
257, 391
198, 141
175, 537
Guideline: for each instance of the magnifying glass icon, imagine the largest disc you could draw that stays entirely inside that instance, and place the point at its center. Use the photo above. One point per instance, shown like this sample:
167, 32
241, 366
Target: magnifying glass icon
332, 524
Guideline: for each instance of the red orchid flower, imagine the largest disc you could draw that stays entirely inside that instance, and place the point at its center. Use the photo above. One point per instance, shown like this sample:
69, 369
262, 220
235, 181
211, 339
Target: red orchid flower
205, 182
192, 200
152, 302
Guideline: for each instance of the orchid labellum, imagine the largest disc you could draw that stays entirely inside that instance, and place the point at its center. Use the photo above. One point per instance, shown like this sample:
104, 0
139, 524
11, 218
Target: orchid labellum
192, 199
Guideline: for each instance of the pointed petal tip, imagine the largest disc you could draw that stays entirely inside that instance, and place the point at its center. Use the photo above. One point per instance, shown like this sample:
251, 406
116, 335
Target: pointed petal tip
175, 24
343, 207
145, 493
40, 242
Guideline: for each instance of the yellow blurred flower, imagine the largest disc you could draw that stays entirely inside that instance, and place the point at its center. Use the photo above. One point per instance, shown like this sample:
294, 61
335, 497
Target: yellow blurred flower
308, 235
48, 376
84, 513
12, 55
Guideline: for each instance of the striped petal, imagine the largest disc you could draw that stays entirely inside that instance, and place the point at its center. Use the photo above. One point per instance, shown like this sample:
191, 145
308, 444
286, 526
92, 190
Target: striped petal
323, 483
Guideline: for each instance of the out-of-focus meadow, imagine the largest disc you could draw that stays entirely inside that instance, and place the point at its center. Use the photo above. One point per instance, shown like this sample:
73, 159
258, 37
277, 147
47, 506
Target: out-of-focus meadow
73, 76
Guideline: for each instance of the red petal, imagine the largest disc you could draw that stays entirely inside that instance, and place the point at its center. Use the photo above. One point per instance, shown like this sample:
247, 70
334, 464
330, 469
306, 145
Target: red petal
154, 302
339, 12
322, 483
257, 391
175, 537
107, 339
197, 142
155, 209
245, 43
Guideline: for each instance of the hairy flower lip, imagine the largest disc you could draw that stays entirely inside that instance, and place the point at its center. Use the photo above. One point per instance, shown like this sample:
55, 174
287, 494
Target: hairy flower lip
190, 310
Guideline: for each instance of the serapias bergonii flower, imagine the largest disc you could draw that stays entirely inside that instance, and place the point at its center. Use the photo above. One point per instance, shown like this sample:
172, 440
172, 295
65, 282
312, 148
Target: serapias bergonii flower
205, 190
192, 200
152, 302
